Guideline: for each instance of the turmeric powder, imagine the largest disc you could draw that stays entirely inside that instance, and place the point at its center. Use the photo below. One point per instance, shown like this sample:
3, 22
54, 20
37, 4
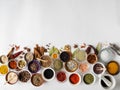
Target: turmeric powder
113, 67
54, 55
3, 69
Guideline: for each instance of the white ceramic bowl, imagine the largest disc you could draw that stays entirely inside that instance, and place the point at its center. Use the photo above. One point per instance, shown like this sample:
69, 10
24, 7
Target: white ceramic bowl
104, 69
44, 75
93, 77
112, 80
78, 81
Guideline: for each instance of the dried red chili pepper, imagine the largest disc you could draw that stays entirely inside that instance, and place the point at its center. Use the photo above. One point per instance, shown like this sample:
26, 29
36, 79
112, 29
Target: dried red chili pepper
13, 56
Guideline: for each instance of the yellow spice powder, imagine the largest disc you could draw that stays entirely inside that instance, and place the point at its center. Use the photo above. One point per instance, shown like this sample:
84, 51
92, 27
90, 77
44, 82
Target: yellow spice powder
3, 69
54, 56
113, 67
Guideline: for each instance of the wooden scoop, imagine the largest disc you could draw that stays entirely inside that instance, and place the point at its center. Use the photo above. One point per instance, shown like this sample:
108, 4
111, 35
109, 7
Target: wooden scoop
9, 80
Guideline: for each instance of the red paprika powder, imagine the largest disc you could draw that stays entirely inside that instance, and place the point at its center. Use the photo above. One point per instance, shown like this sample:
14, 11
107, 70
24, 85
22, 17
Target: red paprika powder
61, 76
12, 64
74, 78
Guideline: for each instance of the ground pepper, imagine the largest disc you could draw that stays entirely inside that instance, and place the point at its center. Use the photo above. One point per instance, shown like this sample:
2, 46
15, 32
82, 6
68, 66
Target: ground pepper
74, 78
48, 73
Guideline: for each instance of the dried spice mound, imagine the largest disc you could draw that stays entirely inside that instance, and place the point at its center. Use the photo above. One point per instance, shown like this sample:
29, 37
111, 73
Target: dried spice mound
34, 66
65, 56
12, 64
24, 76
113, 67
37, 79
74, 78
88, 78
4, 69
47, 60
92, 58
58, 64
61, 76
71, 66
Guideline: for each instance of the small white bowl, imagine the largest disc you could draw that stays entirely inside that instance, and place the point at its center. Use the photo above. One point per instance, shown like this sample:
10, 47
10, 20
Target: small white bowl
93, 77
3, 59
78, 81
112, 80
104, 69
44, 75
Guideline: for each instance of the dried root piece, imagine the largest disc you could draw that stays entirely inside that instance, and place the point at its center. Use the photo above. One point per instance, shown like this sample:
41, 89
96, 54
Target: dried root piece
39, 51
36, 53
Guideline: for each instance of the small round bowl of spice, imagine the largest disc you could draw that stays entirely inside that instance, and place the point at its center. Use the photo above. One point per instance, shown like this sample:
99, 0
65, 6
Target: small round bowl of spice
21, 64
71, 66
29, 57
89, 78
107, 82
65, 56
34, 66
37, 79
92, 58
84, 67
57, 65
75, 79
24, 76
55, 56
3, 59
12, 64
11, 77
61, 76
48, 74
113, 67
4, 69
45, 60
79, 55
99, 68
